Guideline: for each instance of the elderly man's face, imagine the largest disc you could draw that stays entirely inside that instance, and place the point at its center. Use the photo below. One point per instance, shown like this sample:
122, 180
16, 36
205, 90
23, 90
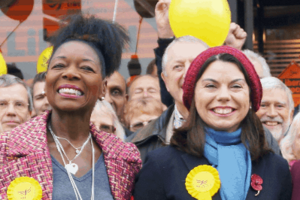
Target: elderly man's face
180, 57
274, 112
14, 109
145, 87
116, 93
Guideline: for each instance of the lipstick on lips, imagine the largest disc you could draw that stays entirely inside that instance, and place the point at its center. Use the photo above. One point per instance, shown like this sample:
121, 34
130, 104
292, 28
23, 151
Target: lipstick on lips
70, 91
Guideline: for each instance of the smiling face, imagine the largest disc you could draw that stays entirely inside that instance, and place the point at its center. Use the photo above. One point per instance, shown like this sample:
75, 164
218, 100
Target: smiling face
226, 93
74, 81
275, 112
180, 57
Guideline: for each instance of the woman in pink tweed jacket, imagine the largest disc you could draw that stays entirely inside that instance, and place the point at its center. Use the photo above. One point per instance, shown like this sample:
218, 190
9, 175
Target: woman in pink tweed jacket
84, 52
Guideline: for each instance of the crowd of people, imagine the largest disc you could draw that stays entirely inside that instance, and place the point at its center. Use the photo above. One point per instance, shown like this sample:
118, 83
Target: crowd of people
203, 123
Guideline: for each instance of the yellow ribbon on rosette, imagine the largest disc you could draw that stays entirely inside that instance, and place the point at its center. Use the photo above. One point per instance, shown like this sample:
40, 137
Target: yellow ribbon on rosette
42, 64
203, 182
3, 67
24, 188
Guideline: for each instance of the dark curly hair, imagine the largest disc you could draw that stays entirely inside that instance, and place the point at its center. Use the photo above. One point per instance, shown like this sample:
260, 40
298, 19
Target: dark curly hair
107, 38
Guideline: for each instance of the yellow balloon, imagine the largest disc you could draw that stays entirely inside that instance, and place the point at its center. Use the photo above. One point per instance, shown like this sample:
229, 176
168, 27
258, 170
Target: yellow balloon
3, 67
208, 20
42, 63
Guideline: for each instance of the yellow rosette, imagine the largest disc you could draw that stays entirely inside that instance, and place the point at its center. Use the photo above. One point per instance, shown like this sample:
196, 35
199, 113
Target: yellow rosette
42, 63
24, 188
3, 67
203, 182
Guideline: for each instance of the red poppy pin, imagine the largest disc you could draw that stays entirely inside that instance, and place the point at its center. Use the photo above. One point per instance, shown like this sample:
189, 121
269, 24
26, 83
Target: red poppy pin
256, 183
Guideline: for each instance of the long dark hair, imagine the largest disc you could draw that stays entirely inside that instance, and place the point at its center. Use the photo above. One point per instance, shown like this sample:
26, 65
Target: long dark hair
190, 137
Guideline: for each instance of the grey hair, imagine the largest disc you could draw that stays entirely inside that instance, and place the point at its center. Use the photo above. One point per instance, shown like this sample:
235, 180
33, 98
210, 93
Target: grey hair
187, 38
251, 55
286, 144
104, 106
7, 80
269, 83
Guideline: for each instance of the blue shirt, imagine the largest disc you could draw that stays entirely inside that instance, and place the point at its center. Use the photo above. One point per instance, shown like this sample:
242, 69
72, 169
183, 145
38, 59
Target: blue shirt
62, 187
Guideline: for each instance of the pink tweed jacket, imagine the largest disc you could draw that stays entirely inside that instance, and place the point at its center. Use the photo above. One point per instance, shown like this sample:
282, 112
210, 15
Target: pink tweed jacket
24, 153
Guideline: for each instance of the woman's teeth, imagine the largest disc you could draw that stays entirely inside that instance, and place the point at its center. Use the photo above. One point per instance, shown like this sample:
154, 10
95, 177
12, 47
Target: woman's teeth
70, 91
223, 110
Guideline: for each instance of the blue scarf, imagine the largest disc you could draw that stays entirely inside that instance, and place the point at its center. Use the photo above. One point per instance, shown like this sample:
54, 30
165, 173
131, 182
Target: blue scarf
227, 153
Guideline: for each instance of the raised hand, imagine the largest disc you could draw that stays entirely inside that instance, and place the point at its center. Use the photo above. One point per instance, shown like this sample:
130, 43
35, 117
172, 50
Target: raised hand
162, 19
236, 36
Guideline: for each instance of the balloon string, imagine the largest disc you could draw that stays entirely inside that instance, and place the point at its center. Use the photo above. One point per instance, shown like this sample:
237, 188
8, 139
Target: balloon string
138, 35
11, 33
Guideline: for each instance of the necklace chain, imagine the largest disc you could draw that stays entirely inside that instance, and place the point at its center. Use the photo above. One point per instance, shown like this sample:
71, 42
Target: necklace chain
61, 149
76, 148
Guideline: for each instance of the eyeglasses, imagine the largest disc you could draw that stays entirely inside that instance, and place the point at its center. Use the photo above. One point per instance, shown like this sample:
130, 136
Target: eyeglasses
139, 125
19, 106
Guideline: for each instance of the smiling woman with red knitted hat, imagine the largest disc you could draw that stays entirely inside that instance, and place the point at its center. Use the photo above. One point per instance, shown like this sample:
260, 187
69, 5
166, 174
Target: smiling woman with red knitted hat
220, 152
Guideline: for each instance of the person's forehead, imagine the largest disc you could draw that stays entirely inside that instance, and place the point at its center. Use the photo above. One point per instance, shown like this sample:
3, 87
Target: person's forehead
276, 95
38, 87
116, 79
76, 49
14, 92
186, 50
145, 82
101, 116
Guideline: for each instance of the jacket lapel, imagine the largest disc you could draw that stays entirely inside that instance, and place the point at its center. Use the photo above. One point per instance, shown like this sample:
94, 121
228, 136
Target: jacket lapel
192, 161
259, 169
110, 149
28, 155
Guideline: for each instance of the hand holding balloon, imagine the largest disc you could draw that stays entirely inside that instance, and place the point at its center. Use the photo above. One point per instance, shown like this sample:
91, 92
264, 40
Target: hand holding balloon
208, 20
236, 36
162, 19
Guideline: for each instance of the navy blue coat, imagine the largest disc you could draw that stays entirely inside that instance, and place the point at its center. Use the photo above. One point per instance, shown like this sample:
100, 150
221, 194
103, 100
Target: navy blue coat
165, 169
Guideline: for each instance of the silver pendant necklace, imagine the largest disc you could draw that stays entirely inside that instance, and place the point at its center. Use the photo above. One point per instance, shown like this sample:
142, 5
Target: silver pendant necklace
61, 152
78, 150
71, 167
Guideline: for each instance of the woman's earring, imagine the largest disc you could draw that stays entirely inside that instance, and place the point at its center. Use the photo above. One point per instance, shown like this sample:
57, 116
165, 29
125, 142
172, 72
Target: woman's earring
102, 98
250, 107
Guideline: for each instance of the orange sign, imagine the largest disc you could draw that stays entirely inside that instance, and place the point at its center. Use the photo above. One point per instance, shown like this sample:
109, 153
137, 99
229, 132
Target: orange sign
291, 78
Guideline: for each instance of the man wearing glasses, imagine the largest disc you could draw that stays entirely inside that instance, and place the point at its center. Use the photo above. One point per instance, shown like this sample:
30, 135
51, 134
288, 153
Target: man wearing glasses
15, 102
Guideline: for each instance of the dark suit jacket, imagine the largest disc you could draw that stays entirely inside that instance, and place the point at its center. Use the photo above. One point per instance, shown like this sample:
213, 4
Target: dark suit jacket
163, 176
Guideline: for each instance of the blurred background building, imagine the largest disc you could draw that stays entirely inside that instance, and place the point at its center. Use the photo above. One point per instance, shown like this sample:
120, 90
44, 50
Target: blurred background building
273, 28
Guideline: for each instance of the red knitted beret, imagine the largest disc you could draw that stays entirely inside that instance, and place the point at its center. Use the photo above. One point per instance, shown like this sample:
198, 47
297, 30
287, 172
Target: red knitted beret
190, 78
